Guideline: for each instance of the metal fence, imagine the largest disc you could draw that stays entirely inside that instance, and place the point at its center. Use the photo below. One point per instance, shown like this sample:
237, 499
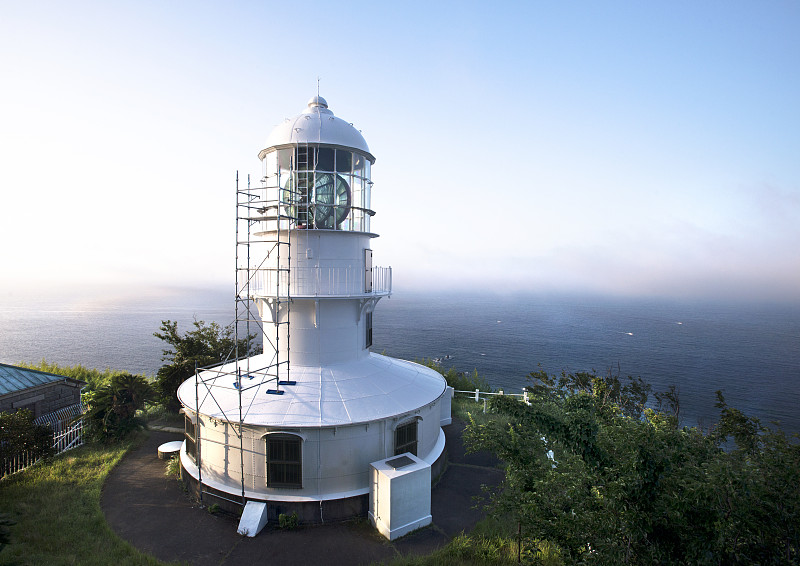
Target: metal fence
17, 463
67, 434
67, 427
479, 395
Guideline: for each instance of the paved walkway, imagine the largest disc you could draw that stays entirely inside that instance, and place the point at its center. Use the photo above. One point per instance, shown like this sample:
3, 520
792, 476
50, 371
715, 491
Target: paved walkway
154, 514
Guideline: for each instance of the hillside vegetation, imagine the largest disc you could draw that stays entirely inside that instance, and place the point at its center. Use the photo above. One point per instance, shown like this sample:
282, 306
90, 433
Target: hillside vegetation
599, 476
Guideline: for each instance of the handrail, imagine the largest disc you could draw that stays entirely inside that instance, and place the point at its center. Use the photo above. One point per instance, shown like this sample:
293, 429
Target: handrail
318, 281
477, 395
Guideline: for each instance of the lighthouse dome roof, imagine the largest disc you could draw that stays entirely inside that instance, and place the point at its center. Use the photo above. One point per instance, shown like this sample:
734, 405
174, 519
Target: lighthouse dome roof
317, 125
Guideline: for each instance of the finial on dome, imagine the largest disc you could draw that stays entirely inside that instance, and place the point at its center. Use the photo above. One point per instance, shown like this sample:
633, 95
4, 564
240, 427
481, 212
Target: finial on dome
317, 101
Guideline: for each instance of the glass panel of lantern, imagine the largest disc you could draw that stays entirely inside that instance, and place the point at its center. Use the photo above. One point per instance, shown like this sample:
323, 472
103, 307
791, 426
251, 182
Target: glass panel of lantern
325, 159
358, 164
344, 161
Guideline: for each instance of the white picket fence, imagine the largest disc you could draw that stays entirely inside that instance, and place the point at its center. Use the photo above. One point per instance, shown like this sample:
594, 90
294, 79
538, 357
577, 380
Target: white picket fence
67, 434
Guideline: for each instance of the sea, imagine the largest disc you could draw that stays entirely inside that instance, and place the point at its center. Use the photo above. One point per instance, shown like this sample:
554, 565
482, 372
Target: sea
750, 351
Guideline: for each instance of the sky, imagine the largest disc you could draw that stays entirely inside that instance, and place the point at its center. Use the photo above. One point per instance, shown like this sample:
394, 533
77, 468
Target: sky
620, 148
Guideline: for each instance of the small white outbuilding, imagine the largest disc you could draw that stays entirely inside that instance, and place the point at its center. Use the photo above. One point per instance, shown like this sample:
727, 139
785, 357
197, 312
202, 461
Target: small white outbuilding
312, 424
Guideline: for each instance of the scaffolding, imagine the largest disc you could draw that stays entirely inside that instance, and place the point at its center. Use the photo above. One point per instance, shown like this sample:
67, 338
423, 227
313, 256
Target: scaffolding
263, 267
263, 283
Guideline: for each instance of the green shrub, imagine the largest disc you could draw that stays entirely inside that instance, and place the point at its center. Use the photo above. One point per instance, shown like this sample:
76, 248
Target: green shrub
288, 522
111, 407
19, 434
459, 380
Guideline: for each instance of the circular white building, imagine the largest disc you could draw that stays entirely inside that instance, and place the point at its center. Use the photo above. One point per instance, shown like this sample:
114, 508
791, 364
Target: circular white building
305, 426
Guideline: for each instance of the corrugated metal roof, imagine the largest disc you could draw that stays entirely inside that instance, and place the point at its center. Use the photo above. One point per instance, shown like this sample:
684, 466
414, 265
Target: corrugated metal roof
14, 378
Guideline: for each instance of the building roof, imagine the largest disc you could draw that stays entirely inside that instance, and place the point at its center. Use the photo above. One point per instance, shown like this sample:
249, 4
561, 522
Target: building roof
317, 125
371, 388
15, 378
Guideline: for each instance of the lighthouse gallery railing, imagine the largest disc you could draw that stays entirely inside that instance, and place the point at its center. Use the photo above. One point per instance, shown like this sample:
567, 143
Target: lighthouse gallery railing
319, 281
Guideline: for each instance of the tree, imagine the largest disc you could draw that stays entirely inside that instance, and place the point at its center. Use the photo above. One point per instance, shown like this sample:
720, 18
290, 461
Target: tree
111, 406
593, 470
206, 345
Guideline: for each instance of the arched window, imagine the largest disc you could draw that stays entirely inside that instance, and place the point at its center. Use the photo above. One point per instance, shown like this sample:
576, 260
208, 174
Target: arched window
284, 461
405, 438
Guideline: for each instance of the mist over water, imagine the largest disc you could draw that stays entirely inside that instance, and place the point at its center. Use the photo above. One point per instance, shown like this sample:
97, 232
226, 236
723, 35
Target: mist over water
116, 334
749, 351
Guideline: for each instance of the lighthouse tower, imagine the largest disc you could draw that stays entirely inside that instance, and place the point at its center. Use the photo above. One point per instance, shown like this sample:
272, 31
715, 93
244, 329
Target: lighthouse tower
316, 424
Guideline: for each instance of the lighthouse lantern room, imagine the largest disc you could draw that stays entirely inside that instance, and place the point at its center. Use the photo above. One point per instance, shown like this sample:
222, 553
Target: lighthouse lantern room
316, 423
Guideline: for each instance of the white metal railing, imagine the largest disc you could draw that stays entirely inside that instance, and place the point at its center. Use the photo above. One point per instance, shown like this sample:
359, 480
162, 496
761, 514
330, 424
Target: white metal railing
58, 420
479, 395
67, 427
68, 438
316, 281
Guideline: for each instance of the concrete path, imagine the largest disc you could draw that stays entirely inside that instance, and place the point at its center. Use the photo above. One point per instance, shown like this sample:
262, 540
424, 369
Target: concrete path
154, 514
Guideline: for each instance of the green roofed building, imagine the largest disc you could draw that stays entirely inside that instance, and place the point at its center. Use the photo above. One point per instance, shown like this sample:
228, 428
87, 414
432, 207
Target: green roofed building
40, 392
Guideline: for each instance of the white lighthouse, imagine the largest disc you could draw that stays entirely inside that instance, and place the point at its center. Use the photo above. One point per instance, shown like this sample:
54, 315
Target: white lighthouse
317, 424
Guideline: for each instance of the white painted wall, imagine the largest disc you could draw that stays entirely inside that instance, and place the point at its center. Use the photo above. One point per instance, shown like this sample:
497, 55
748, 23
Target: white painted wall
325, 248
323, 330
336, 460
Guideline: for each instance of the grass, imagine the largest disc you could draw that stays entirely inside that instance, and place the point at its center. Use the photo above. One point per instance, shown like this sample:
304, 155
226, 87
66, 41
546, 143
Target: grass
465, 408
173, 468
56, 507
489, 544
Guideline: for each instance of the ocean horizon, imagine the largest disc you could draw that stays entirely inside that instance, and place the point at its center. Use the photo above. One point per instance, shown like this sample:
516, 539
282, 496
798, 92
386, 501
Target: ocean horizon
749, 351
